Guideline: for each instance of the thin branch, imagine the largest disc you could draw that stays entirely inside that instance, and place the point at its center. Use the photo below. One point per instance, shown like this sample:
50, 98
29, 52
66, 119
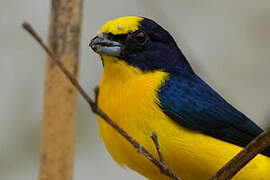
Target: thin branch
96, 109
161, 159
256, 146
96, 91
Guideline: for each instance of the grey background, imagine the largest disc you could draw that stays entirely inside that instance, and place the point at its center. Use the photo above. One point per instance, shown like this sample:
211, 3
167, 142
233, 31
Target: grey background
227, 42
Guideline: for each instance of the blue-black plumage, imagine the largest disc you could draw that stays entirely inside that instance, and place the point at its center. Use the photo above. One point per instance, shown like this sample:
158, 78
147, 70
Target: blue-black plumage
192, 103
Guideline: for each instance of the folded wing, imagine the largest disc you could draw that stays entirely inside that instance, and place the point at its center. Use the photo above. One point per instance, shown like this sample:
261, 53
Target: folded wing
189, 101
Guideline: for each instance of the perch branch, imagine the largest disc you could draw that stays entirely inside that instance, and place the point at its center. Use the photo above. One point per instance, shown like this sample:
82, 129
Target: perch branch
164, 169
155, 140
96, 91
256, 146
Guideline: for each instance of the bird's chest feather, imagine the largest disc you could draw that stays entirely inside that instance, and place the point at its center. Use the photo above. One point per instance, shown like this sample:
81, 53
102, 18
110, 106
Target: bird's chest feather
129, 97
126, 93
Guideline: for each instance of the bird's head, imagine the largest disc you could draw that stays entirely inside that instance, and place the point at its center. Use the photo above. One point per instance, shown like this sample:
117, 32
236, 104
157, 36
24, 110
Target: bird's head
140, 42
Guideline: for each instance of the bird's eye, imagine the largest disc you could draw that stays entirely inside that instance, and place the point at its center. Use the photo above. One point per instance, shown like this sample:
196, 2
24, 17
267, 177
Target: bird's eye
109, 36
141, 37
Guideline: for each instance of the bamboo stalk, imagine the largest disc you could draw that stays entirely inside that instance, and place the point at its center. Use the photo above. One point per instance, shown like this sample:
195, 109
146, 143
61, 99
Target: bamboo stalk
60, 99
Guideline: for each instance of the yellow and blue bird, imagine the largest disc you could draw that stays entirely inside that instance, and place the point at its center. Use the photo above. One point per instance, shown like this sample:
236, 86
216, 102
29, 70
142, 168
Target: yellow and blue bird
148, 86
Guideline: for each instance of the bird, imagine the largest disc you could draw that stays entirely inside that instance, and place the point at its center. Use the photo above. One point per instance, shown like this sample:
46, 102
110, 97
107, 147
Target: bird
149, 86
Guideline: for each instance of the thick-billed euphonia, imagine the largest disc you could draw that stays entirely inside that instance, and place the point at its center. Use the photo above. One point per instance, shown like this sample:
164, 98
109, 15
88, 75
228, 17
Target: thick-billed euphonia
148, 86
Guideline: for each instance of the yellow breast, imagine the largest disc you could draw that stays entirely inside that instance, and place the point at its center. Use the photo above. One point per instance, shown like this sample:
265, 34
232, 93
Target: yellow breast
129, 97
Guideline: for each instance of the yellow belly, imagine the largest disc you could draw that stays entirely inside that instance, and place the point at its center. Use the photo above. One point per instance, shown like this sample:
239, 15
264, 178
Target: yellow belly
129, 97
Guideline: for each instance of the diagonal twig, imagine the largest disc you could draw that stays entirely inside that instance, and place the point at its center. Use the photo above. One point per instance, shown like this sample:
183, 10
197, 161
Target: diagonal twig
161, 159
96, 91
256, 146
96, 109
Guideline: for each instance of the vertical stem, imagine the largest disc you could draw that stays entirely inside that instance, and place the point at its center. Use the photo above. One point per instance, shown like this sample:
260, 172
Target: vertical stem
60, 99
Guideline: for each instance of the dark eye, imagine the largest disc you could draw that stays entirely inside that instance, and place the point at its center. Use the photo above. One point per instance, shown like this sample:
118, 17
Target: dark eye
109, 36
141, 37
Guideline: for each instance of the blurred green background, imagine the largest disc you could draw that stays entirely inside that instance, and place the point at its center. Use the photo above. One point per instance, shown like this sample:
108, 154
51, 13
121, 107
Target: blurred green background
227, 42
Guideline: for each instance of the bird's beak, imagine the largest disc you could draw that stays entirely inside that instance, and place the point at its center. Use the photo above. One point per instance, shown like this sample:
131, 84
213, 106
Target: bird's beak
103, 45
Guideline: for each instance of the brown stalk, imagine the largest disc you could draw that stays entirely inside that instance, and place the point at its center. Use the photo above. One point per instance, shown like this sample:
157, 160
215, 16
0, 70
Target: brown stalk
60, 96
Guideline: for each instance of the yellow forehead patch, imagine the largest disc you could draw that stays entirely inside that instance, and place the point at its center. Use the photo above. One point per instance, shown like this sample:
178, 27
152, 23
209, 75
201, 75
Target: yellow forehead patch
122, 25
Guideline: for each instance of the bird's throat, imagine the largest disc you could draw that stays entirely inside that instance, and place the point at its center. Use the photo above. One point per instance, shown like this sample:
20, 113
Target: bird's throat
122, 83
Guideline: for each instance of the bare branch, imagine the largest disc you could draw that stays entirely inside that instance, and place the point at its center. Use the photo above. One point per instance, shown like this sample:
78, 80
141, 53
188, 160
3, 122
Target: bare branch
256, 146
155, 140
96, 91
96, 109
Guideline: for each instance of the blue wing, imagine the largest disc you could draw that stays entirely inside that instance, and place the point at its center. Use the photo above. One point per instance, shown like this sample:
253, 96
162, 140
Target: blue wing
189, 101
